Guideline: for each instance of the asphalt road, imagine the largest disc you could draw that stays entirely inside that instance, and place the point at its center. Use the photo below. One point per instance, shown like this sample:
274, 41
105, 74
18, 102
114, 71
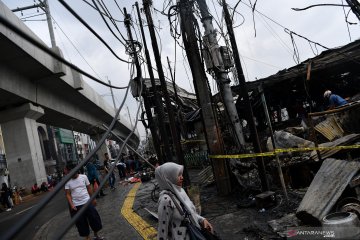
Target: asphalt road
9, 219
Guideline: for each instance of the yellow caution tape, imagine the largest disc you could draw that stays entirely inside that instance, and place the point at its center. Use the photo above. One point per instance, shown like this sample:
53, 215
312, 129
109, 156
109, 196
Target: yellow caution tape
279, 150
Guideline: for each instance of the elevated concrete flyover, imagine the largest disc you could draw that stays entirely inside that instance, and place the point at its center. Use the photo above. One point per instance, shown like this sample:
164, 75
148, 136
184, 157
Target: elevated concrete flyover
35, 87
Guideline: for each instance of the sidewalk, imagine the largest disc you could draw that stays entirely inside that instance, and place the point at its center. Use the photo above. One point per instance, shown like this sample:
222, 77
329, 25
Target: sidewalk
114, 225
23, 202
229, 221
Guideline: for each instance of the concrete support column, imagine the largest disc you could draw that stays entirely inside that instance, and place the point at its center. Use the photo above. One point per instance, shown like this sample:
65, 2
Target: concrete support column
22, 144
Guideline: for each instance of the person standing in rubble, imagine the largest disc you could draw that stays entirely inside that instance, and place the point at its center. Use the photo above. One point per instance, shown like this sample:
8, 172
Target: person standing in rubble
334, 100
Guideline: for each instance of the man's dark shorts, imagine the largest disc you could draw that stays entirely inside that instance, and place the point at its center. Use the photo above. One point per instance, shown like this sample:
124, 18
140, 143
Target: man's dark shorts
89, 217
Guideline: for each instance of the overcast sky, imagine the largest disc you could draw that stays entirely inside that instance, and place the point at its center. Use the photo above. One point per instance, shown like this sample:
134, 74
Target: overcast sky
262, 55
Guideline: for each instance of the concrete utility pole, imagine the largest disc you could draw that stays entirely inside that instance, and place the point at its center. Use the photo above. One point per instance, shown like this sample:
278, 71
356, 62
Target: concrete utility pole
50, 26
112, 95
131, 123
152, 125
217, 59
171, 116
159, 108
44, 5
203, 93
244, 93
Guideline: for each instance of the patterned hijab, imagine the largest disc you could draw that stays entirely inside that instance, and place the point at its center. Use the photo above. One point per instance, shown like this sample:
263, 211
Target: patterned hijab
167, 176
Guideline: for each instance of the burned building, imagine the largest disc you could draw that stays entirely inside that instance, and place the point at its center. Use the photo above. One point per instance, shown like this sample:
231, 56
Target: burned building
292, 93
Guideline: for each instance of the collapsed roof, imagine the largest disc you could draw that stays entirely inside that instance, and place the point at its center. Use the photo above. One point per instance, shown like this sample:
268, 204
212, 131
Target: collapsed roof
186, 99
336, 69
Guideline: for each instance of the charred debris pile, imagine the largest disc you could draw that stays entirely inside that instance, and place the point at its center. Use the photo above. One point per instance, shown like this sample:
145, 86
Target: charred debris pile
320, 183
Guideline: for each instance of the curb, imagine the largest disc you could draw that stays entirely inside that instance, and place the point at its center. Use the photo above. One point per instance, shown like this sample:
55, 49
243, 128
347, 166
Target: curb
146, 231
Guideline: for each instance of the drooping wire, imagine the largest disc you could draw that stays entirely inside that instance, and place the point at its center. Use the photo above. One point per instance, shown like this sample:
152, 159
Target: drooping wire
253, 14
347, 16
119, 7
320, 5
107, 25
59, 34
347, 23
296, 55
103, 6
93, 196
186, 71
15, 229
77, 50
218, 22
111, 18
273, 32
315, 53
90, 29
285, 28
74, 219
234, 10
174, 24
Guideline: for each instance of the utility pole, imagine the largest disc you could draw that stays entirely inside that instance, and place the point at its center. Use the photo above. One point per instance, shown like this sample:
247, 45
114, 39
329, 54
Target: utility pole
131, 123
48, 19
152, 126
159, 108
244, 93
174, 132
203, 93
44, 5
217, 59
112, 94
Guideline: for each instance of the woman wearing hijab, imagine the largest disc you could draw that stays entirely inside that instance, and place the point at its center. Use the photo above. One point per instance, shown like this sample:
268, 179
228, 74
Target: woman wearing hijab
170, 180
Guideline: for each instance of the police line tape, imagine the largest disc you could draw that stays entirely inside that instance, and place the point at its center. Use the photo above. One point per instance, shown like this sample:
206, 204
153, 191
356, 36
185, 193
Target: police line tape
279, 150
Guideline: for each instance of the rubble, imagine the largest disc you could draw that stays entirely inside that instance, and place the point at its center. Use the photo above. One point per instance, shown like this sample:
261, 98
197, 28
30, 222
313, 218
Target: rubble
287, 140
343, 141
325, 190
280, 225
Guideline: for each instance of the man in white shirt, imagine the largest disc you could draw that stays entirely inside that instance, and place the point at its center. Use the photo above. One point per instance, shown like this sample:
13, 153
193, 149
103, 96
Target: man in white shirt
78, 191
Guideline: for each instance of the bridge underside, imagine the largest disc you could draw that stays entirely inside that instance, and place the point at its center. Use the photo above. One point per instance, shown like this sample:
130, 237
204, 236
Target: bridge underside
36, 88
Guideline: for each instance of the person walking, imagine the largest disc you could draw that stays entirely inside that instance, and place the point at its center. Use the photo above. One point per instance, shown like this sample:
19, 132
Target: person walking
93, 176
334, 100
78, 192
170, 180
6, 197
107, 165
130, 164
121, 166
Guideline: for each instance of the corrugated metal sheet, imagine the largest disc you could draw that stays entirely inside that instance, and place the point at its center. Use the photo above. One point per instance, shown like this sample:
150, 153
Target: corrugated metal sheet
330, 128
326, 188
344, 141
